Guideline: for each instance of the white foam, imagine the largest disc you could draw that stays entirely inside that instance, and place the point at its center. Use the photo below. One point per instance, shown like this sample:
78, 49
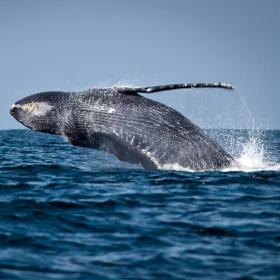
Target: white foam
175, 166
168, 166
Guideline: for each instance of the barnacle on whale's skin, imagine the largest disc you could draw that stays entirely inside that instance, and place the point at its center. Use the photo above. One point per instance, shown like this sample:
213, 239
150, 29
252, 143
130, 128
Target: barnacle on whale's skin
34, 108
31, 107
27, 107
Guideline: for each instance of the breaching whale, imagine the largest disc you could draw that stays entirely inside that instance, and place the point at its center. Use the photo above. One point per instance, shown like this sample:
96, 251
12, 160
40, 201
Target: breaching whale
121, 121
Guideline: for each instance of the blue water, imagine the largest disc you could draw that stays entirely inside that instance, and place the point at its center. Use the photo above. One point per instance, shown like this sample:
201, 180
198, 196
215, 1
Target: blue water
75, 213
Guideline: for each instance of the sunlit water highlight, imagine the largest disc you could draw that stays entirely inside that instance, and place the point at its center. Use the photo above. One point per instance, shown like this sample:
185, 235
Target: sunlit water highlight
75, 213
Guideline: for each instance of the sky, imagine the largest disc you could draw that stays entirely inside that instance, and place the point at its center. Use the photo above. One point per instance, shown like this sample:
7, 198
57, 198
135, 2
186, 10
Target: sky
73, 45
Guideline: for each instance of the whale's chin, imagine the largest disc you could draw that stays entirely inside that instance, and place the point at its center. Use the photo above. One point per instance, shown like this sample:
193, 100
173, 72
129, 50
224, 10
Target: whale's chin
20, 115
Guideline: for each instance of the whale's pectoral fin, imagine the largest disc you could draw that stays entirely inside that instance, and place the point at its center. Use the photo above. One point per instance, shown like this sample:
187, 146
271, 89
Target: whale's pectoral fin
112, 144
122, 150
134, 91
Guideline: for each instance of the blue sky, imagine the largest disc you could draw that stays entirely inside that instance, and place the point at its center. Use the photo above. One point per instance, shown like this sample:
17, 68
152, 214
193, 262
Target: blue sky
72, 45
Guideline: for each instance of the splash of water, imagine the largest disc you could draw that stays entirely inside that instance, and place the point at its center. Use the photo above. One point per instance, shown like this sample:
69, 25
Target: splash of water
253, 154
253, 158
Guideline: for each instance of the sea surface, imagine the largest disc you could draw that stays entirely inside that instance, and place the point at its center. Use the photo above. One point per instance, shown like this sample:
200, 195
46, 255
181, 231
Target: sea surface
75, 213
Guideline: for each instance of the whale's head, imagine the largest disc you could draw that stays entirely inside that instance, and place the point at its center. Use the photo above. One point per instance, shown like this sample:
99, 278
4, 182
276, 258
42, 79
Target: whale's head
41, 111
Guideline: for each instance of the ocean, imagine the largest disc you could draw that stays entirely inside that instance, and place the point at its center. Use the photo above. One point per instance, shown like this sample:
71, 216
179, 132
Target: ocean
74, 213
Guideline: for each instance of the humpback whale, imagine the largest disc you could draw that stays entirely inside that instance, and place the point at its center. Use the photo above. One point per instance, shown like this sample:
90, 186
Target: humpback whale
121, 121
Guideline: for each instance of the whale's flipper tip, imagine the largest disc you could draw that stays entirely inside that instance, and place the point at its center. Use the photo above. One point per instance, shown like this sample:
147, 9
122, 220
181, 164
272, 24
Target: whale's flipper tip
227, 86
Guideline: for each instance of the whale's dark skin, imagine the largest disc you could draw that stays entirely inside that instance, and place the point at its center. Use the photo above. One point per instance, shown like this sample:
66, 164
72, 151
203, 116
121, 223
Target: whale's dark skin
123, 122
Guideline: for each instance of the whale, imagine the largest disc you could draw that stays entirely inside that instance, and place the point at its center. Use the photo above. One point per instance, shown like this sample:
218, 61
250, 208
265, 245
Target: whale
124, 122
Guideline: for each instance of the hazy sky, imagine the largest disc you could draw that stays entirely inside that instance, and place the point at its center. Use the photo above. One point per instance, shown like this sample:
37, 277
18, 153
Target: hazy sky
71, 45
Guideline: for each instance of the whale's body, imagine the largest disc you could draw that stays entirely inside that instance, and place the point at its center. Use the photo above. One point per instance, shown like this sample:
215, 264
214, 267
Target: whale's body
122, 122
